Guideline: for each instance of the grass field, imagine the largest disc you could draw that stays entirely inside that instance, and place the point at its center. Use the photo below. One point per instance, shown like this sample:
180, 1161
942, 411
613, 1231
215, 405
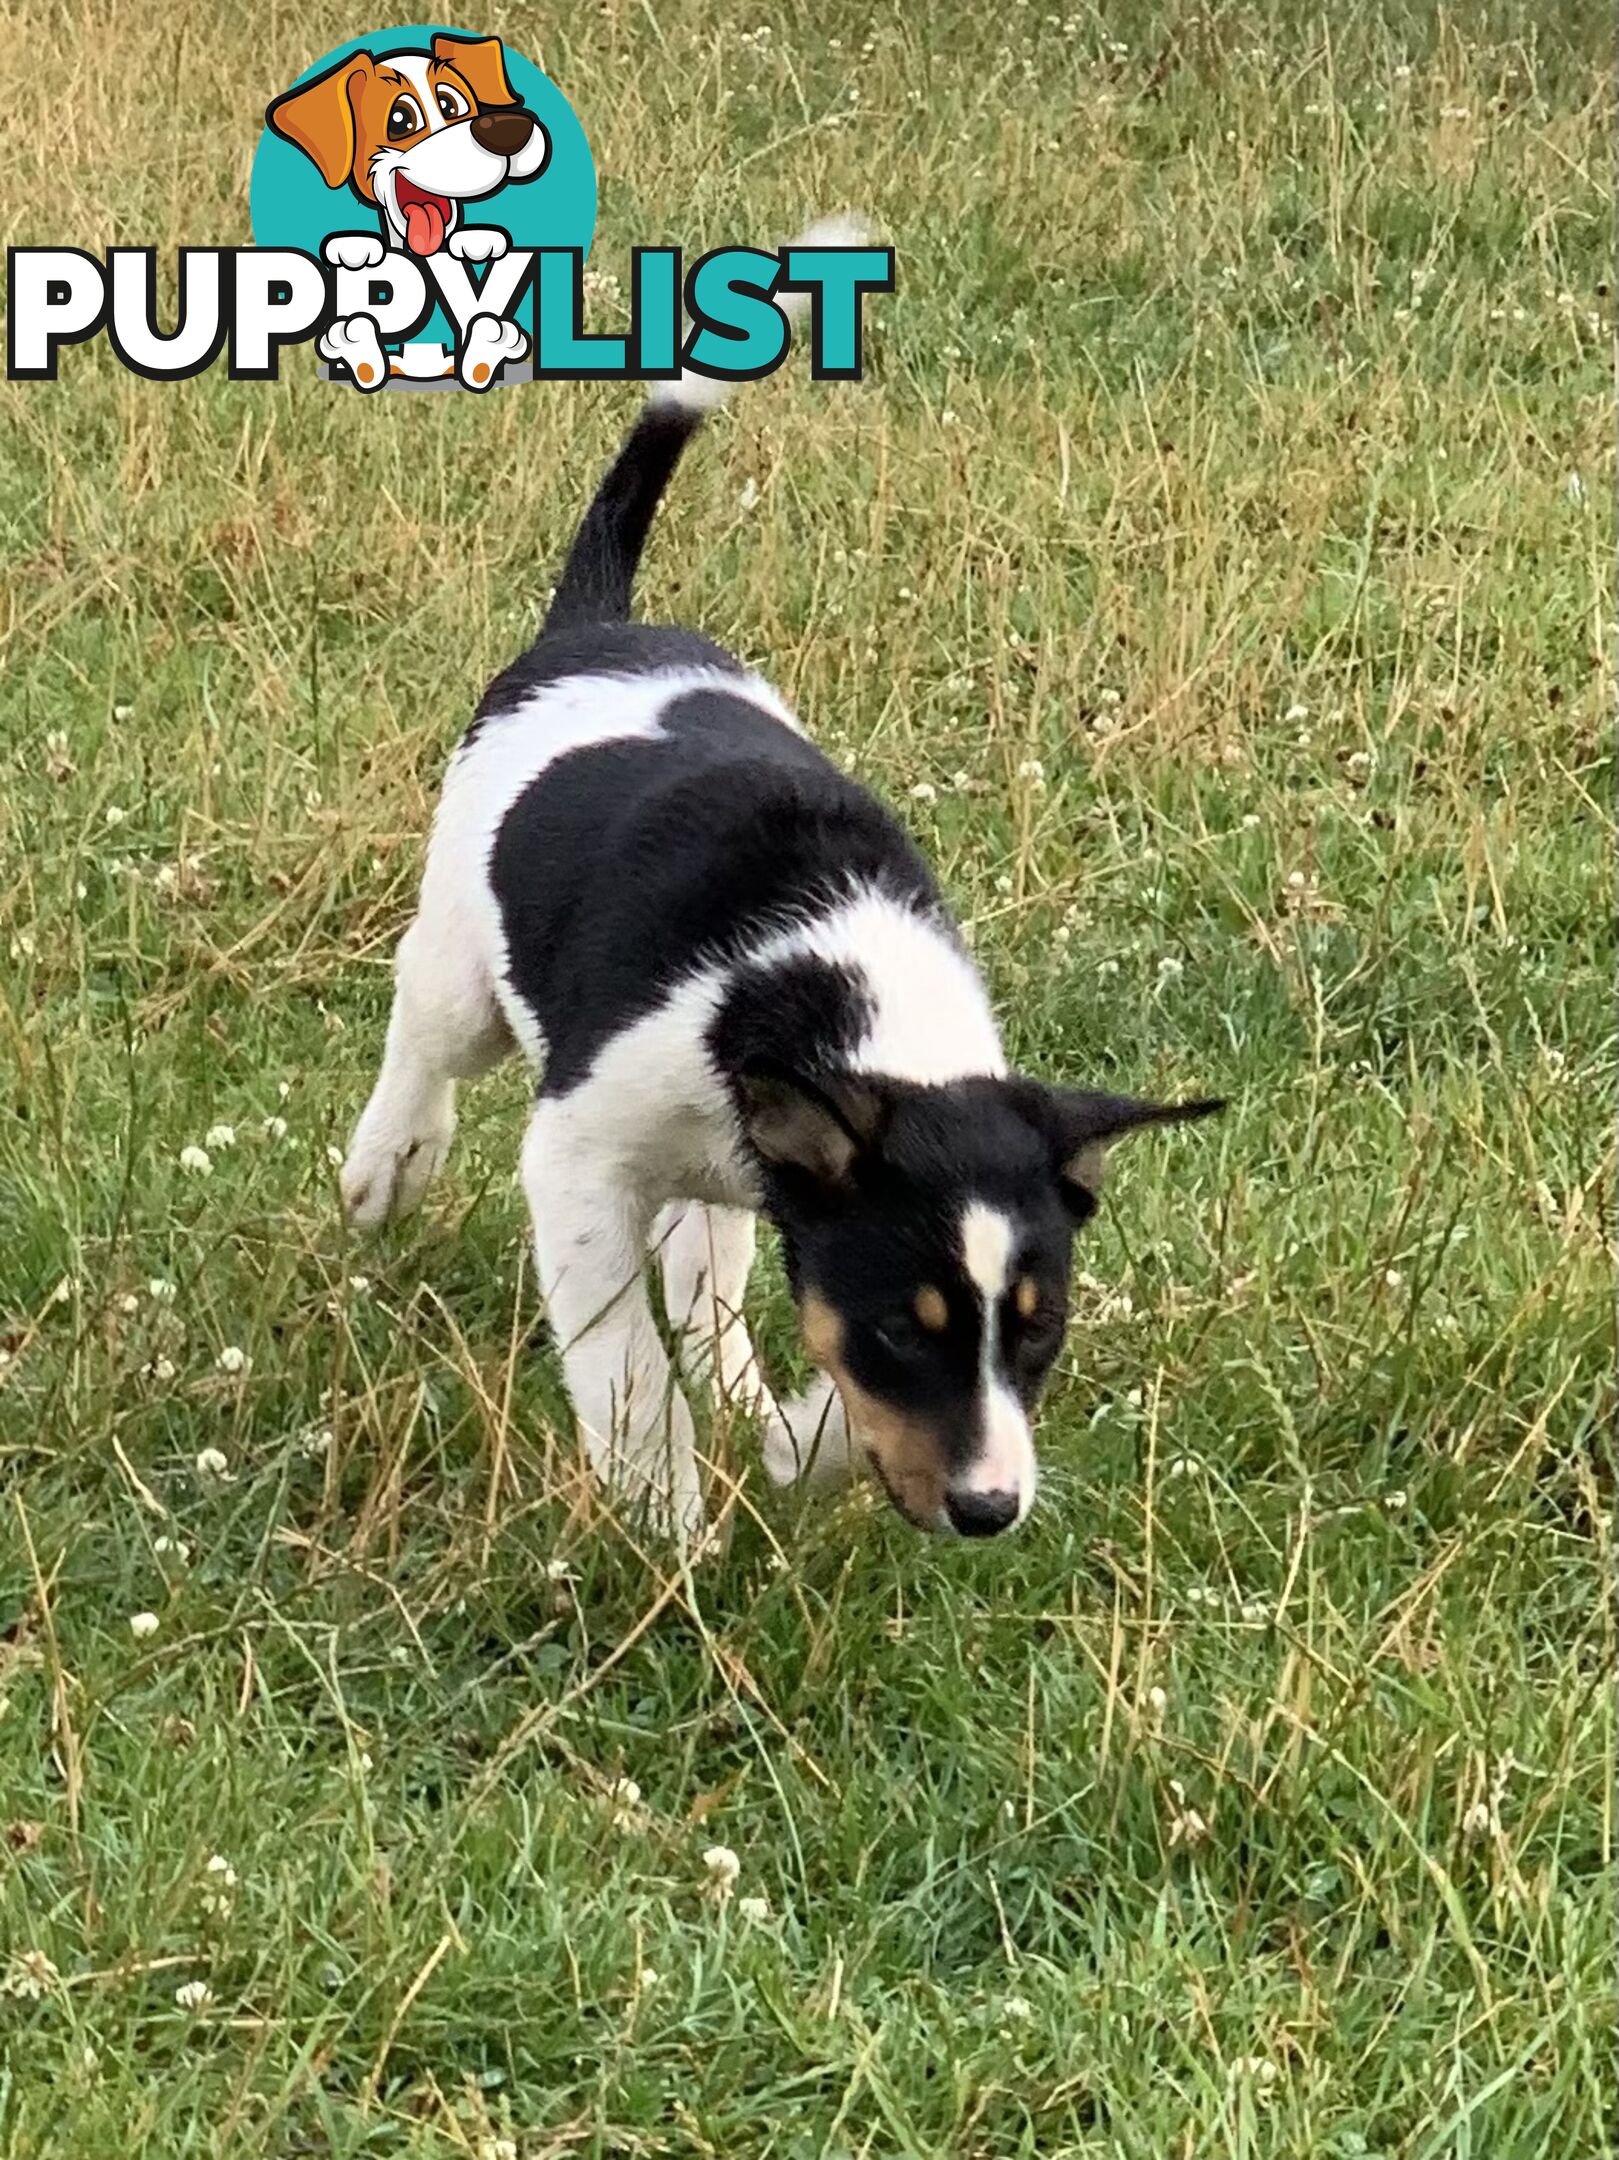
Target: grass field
1216, 567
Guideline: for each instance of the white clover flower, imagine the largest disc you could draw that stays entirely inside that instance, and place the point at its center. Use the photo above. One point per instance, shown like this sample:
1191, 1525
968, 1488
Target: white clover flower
115, 814
1033, 771
1397, 1501
1170, 969
212, 1463
194, 1996
1180, 1466
143, 1624
754, 1909
749, 497
161, 1368
558, 1571
129, 1302
63, 1293
1258, 2071
1296, 713
220, 1136
1255, 1610
219, 1866
924, 791
28, 1976
274, 1128
647, 1977
1393, 1279
359, 1284
722, 1867
233, 1359
1106, 968
172, 1548
1062, 935
334, 1155
161, 1291
626, 1792
1156, 1704
497, 2148
1251, 821
1018, 2009
196, 1162
315, 1441
1360, 765
1186, 1826
123, 712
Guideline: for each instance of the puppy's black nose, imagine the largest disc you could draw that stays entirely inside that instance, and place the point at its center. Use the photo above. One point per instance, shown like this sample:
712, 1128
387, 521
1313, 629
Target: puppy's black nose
981, 1514
503, 131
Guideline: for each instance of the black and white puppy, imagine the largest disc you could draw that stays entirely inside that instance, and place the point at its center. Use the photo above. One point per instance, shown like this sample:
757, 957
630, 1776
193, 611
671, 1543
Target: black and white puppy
745, 993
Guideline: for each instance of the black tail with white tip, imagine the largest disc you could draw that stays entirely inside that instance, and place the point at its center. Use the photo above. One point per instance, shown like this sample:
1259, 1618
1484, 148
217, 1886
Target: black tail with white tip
598, 577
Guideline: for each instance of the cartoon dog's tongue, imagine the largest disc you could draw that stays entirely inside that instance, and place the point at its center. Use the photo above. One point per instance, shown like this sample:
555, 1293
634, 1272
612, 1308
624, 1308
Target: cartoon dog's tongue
426, 217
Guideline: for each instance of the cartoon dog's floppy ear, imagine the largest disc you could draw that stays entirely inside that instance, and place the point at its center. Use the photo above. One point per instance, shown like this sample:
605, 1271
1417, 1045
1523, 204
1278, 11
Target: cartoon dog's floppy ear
319, 117
482, 61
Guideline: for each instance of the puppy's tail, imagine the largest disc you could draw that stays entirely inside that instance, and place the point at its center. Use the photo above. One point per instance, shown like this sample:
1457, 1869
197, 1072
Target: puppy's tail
599, 574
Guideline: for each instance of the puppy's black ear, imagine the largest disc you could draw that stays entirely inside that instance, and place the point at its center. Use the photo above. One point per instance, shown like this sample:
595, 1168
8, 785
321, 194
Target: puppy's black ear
820, 1126
1084, 1126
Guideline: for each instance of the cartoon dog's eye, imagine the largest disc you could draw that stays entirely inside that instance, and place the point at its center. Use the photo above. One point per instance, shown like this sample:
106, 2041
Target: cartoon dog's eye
451, 103
404, 117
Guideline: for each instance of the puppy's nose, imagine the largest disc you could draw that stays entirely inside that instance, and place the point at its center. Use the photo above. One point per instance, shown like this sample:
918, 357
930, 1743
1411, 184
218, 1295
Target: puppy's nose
981, 1514
504, 132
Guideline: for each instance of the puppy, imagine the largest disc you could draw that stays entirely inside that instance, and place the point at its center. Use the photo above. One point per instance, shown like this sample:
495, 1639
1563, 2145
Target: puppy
744, 992
414, 135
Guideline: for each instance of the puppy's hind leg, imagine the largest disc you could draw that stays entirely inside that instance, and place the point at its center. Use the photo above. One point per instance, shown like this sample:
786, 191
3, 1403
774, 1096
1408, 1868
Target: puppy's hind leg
445, 1026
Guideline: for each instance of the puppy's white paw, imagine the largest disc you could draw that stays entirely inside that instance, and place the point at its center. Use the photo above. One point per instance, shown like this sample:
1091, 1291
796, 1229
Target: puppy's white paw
478, 243
355, 343
388, 1169
353, 251
490, 343
807, 1440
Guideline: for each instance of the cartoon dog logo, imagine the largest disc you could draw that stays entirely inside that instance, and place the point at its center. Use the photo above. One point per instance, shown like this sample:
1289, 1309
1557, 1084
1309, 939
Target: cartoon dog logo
414, 135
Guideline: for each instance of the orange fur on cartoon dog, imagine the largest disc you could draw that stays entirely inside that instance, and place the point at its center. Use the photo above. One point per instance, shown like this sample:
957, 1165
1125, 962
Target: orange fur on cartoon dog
416, 134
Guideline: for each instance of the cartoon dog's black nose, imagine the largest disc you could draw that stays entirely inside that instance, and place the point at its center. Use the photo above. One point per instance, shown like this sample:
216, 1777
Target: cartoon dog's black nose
981, 1514
503, 131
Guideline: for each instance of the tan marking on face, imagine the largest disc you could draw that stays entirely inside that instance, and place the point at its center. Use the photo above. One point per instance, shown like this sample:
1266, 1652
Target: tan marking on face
906, 1453
931, 1309
1027, 1297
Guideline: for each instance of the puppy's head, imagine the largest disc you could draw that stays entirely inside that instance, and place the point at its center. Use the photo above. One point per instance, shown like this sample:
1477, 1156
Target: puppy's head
416, 133
928, 1233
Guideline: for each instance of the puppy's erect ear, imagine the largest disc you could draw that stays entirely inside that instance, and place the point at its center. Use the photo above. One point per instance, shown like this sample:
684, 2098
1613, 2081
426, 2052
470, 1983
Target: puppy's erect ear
820, 1127
1084, 1126
482, 62
319, 116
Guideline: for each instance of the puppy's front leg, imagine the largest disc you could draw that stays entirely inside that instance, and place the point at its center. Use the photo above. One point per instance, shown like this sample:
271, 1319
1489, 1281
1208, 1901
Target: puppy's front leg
590, 1236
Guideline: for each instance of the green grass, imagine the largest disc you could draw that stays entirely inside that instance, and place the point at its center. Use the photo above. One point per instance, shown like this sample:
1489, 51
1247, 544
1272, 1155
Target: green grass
1238, 446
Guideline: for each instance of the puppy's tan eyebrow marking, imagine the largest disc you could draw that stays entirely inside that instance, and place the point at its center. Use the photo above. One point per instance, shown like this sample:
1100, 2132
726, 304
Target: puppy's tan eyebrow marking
1027, 1297
931, 1309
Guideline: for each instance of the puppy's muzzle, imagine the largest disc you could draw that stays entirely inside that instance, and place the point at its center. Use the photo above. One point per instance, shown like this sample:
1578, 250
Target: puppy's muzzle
504, 131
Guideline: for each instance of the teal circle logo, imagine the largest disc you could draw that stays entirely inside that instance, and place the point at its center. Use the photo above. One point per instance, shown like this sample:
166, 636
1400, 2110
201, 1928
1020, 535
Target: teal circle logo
431, 137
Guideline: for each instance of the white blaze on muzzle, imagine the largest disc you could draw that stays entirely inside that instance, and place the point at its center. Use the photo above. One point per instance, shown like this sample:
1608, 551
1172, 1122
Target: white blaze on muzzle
1005, 1460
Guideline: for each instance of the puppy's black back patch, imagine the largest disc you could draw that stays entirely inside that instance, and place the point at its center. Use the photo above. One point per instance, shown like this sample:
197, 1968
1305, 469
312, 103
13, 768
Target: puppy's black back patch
625, 867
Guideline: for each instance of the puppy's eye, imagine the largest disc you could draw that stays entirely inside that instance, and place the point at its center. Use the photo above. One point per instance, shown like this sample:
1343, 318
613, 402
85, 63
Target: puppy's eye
900, 1334
451, 103
404, 118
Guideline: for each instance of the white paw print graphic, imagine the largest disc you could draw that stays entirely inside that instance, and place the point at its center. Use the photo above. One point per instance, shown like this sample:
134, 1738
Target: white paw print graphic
354, 251
490, 343
478, 243
355, 343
